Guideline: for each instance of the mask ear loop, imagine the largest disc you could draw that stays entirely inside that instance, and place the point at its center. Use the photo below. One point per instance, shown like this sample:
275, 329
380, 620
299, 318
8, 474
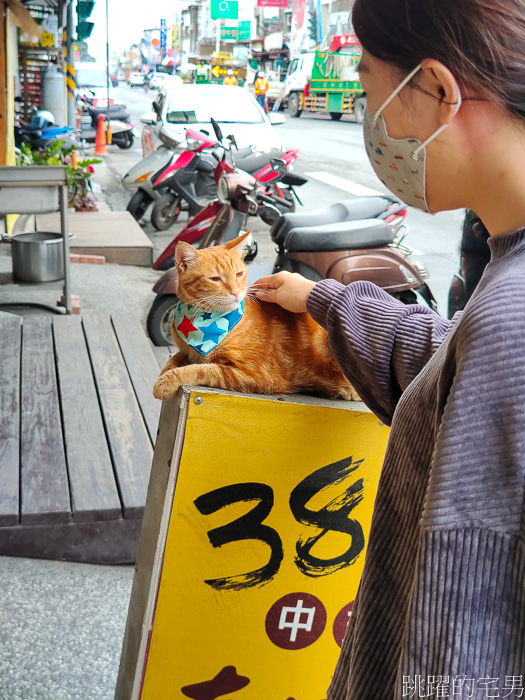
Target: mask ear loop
415, 154
394, 94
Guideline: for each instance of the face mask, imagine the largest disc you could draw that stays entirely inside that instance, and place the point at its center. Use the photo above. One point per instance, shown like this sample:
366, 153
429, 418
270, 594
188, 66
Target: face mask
400, 164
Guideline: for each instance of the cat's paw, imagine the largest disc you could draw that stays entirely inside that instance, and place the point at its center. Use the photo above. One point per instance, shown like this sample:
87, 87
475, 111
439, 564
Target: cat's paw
166, 385
349, 394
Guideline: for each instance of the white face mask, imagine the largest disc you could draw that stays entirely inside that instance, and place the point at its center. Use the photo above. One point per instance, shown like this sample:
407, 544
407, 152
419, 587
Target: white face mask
400, 164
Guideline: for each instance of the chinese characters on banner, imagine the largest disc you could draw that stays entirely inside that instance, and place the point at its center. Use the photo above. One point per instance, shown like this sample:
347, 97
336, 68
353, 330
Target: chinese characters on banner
265, 547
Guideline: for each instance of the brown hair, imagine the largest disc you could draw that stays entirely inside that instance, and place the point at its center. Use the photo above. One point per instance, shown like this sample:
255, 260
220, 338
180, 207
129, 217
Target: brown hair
481, 41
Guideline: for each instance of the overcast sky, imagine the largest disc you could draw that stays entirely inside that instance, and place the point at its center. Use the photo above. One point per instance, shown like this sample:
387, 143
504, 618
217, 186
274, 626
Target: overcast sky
126, 22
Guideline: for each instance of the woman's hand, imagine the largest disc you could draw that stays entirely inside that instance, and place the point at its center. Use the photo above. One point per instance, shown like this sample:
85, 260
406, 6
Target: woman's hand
287, 289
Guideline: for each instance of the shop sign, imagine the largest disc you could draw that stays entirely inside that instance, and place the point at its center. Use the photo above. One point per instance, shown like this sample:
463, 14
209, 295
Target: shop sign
228, 33
224, 9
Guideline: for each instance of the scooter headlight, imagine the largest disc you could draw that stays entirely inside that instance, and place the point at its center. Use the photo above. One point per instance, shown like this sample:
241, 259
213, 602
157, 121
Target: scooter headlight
223, 190
192, 145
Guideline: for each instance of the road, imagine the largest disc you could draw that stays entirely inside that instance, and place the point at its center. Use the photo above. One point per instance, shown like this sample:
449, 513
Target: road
333, 157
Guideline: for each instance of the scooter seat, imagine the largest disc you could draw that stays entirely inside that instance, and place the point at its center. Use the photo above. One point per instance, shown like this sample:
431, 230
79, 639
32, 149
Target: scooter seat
347, 210
254, 163
349, 235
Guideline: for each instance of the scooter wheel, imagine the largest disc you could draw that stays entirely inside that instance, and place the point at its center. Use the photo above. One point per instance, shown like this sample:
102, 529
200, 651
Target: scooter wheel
158, 322
165, 211
138, 204
124, 140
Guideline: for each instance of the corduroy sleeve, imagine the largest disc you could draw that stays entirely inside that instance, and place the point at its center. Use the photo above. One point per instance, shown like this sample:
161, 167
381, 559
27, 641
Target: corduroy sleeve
380, 344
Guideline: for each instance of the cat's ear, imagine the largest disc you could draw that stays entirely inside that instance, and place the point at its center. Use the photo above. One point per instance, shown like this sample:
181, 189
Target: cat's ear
238, 243
184, 255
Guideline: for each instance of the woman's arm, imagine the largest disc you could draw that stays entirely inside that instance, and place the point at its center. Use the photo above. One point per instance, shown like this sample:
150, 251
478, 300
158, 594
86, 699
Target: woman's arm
379, 343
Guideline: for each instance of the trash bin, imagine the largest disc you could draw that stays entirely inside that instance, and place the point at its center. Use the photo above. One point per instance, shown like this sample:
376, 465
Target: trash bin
38, 257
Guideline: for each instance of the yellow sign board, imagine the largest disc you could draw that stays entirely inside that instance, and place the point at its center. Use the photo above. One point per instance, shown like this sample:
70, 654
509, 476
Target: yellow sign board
264, 550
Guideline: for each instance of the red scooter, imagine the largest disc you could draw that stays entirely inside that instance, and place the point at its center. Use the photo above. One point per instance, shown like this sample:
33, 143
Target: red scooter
273, 172
190, 180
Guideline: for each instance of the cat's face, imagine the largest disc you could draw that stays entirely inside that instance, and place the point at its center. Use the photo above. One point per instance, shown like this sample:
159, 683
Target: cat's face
212, 279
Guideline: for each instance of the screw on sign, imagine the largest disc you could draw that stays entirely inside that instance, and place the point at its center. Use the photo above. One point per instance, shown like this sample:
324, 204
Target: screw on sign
295, 621
341, 623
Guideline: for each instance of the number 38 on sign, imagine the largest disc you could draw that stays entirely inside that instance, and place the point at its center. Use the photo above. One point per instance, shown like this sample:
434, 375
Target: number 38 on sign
267, 535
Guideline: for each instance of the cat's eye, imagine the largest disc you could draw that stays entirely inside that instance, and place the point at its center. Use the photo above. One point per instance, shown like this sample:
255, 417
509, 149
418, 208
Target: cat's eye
240, 274
216, 279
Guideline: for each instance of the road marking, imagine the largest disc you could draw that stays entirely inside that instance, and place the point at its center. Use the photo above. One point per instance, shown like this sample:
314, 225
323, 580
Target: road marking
345, 185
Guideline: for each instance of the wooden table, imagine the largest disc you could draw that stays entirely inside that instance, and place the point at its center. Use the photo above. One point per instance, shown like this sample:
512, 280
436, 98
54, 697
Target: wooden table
78, 422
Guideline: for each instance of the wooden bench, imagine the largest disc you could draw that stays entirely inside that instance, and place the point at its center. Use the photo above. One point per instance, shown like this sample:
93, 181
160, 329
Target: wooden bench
78, 422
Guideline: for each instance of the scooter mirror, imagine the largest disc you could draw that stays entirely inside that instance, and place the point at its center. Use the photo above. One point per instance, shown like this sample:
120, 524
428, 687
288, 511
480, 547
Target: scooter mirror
156, 108
217, 130
231, 139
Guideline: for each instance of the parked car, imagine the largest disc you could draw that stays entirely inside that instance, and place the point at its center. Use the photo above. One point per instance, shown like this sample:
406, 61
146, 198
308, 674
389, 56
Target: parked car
157, 81
136, 80
114, 79
181, 106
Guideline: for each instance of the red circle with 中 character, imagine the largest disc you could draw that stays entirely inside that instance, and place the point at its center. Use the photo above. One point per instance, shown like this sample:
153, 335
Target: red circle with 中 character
341, 623
295, 621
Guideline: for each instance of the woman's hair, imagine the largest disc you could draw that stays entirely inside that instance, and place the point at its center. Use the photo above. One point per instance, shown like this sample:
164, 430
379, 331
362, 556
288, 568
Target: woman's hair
481, 41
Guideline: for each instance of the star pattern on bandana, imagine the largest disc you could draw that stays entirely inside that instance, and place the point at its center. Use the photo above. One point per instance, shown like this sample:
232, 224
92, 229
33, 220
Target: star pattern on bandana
204, 331
186, 326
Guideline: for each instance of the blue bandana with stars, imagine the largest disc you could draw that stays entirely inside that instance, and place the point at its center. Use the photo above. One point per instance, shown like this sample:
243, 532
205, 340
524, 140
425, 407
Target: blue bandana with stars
204, 330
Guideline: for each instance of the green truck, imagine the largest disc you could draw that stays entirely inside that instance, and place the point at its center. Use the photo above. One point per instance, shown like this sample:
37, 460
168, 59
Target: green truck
325, 82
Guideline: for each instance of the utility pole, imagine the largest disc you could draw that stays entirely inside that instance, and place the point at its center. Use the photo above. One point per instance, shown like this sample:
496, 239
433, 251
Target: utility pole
70, 68
108, 130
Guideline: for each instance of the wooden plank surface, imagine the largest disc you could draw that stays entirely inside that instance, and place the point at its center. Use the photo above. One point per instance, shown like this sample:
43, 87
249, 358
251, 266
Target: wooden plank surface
142, 367
162, 353
10, 346
127, 434
44, 480
94, 494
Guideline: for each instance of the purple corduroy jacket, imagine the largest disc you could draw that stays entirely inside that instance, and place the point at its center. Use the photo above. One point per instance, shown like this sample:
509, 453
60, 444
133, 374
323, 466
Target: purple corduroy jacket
441, 602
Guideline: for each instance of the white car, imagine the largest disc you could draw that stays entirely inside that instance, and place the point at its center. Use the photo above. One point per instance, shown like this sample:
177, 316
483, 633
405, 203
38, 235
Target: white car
193, 106
136, 79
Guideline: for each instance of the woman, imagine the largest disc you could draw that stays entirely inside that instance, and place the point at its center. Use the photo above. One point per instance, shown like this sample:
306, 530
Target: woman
441, 605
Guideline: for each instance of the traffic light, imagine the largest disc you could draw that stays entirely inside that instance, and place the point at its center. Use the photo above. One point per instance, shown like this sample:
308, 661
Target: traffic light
84, 9
312, 26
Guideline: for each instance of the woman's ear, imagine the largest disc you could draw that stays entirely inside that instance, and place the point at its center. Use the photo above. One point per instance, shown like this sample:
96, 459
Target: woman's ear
184, 255
439, 81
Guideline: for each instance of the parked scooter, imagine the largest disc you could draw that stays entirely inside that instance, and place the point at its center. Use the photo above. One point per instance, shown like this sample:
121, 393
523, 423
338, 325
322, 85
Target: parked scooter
122, 130
360, 239
190, 179
188, 182
141, 178
42, 130
229, 204
475, 256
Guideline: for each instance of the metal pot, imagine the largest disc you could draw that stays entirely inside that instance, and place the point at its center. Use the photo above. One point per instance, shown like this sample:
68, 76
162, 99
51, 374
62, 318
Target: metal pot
38, 257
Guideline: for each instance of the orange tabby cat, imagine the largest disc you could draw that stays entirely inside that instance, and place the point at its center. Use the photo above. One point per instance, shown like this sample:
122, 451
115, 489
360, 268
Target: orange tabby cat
269, 350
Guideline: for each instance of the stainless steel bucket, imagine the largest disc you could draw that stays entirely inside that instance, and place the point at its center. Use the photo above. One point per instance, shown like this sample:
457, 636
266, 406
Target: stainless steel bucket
38, 257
